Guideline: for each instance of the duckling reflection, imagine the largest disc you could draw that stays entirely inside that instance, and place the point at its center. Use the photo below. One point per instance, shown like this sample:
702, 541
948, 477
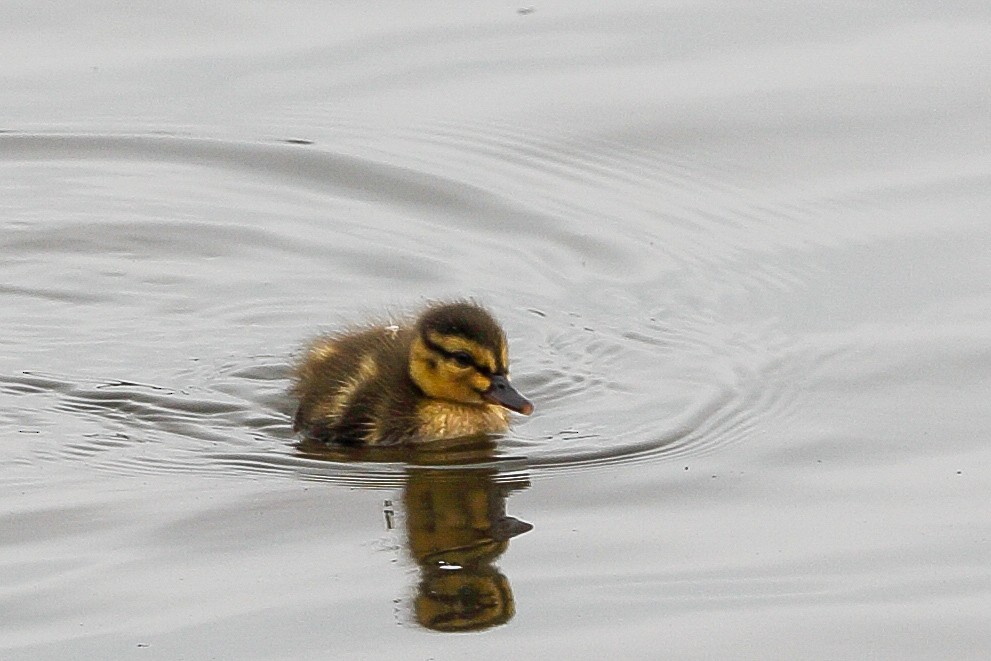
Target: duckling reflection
456, 529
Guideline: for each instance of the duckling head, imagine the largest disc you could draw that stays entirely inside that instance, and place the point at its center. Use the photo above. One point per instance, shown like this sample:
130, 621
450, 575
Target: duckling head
459, 354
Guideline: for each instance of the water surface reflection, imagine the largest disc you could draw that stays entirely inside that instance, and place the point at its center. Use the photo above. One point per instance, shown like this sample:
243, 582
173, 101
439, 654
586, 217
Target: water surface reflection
454, 502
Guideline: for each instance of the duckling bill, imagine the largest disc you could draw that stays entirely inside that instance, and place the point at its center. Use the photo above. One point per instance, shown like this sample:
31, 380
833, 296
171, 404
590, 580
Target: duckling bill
444, 376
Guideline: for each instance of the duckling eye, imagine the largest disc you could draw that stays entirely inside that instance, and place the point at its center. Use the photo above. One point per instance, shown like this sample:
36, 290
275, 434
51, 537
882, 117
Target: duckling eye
463, 358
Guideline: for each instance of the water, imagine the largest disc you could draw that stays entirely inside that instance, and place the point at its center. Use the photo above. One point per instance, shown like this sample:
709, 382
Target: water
741, 255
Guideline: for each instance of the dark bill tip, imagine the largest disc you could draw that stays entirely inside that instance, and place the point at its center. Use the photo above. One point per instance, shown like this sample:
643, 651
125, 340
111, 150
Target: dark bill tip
503, 394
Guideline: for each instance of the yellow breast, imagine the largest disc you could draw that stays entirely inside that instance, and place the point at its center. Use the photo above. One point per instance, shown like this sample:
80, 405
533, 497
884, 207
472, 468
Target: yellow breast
442, 419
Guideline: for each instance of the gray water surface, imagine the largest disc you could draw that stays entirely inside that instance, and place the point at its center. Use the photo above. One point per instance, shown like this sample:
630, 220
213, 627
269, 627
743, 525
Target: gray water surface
742, 255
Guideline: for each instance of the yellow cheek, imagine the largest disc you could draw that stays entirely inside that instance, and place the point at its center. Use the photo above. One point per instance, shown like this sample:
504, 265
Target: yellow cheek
454, 384
479, 383
464, 385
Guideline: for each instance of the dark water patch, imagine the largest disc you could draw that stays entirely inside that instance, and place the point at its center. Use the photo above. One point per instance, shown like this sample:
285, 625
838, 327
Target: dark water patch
324, 171
53, 295
152, 422
146, 239
369, 468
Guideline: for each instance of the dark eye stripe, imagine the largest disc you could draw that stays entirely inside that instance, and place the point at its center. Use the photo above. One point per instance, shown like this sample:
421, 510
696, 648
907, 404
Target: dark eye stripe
457, 356
463, 358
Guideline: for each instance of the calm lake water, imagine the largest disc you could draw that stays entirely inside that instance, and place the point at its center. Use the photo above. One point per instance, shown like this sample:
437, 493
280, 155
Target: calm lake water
742, 253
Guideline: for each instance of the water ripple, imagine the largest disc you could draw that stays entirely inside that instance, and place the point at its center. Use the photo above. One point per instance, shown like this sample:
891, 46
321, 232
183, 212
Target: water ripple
626, 262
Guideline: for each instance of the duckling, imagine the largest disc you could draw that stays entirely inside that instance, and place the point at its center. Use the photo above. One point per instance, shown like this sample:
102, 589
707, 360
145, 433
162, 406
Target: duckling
445, 376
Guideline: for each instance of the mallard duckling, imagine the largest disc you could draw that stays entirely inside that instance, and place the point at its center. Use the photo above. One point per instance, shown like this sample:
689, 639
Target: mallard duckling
446, 376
